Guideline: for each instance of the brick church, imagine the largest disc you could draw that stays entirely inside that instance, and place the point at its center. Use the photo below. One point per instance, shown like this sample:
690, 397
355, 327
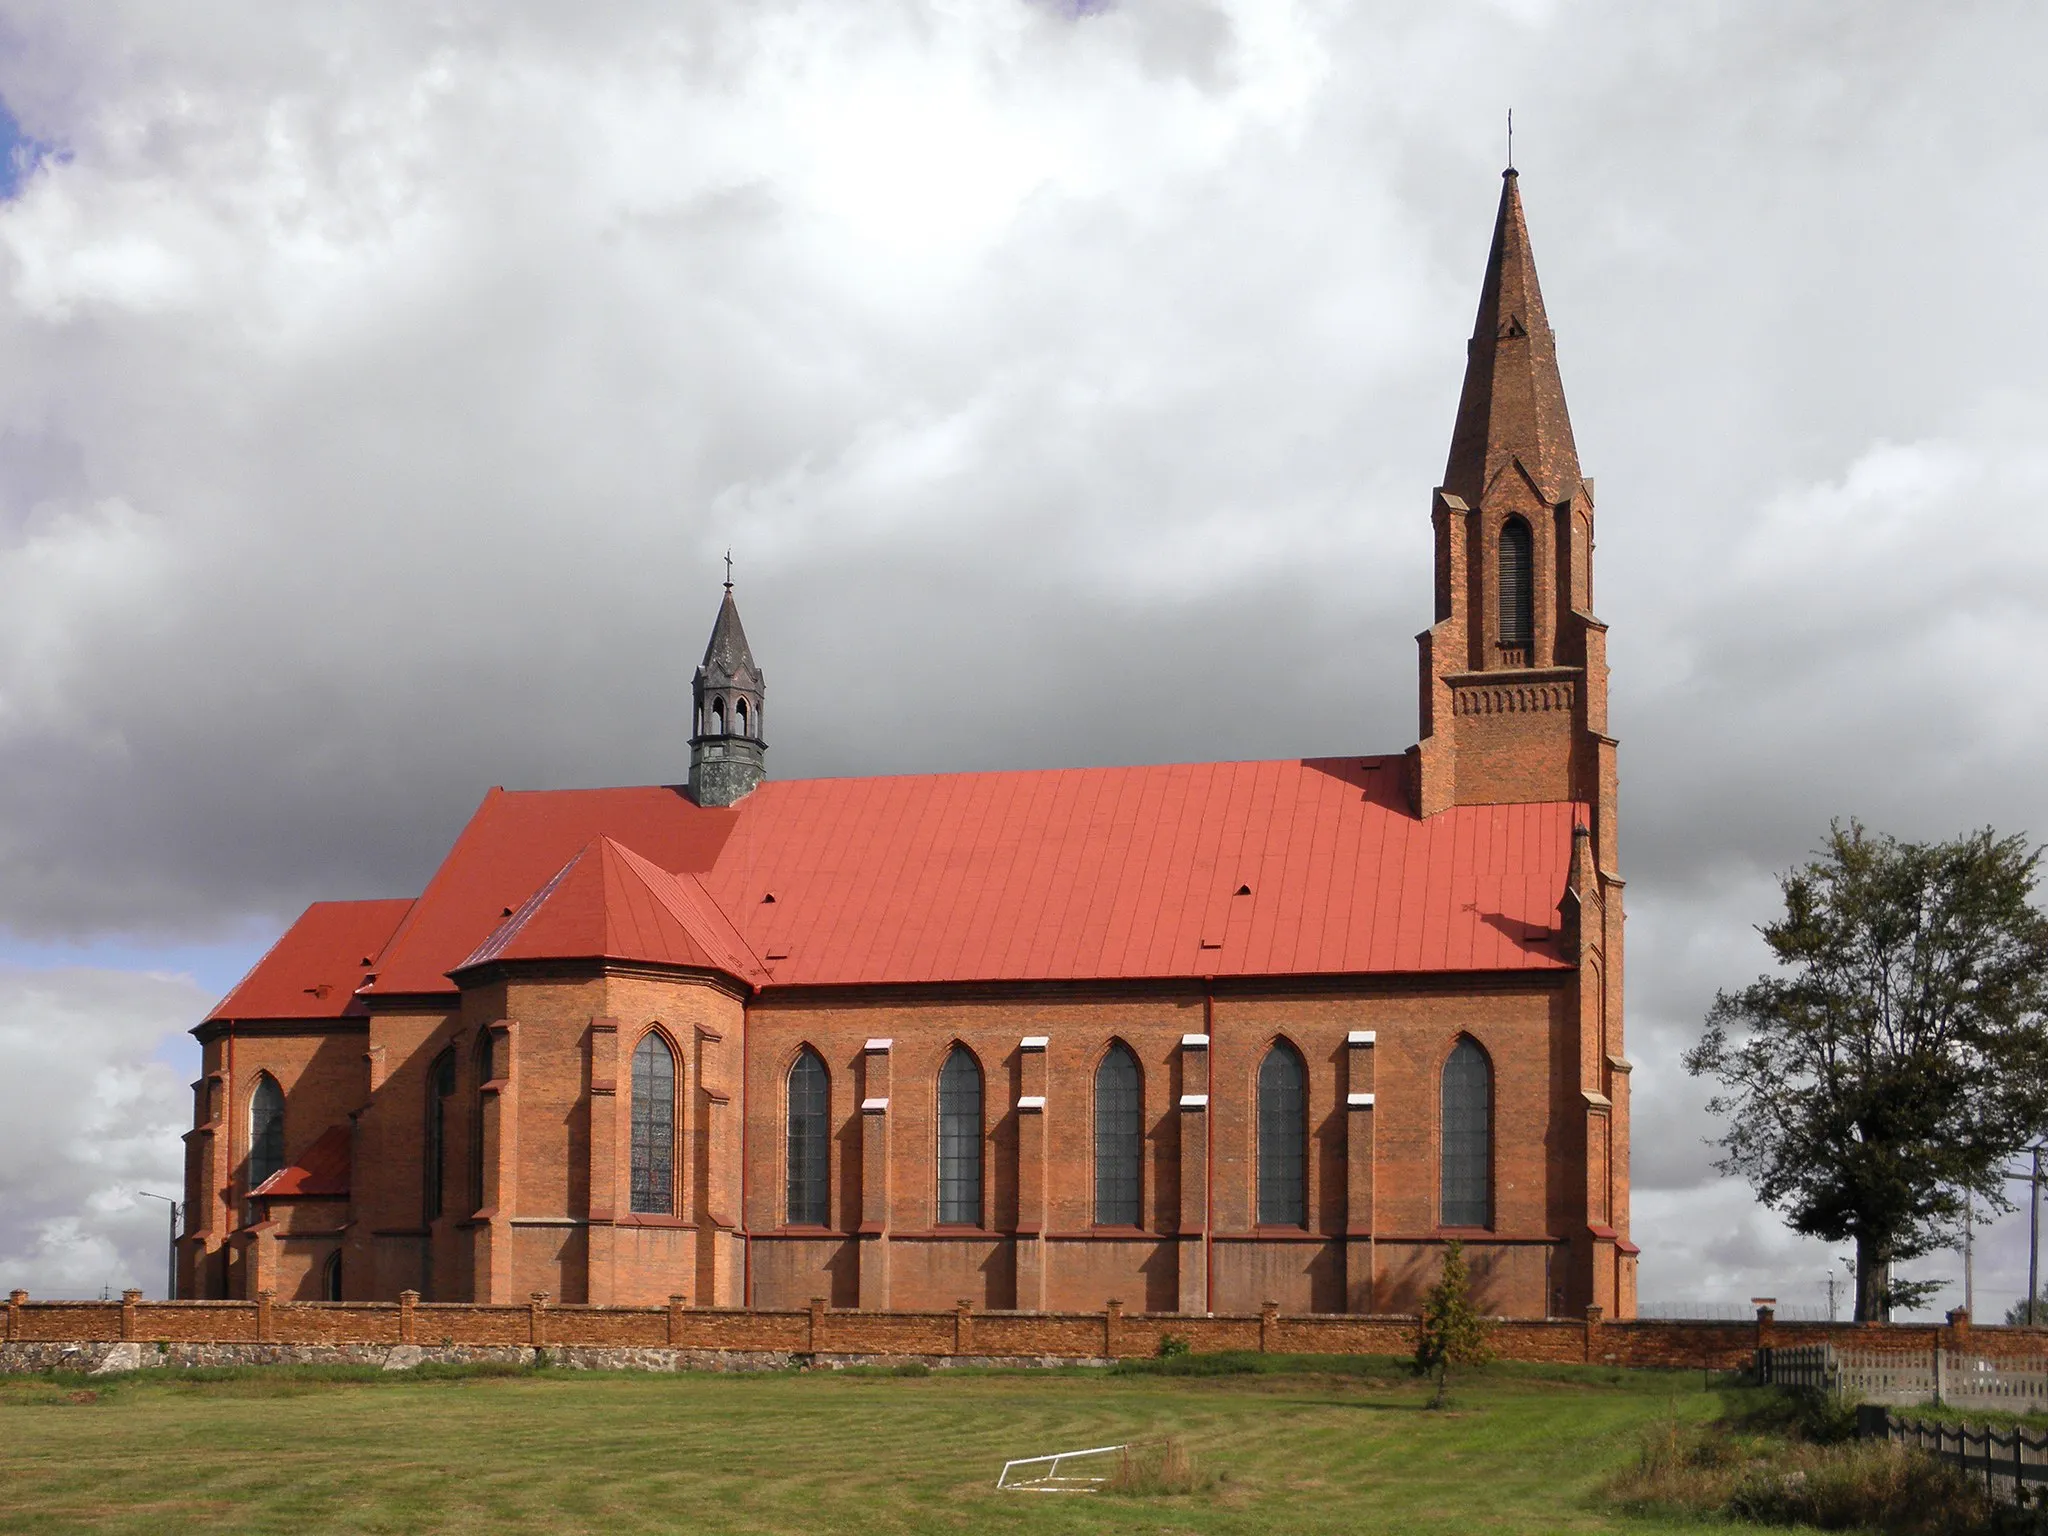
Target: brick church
1194, 1036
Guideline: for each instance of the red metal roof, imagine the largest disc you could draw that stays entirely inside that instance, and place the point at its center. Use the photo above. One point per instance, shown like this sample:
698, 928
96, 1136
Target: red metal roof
512, 846
313, 971
1096, 873
609, 903
322, 1169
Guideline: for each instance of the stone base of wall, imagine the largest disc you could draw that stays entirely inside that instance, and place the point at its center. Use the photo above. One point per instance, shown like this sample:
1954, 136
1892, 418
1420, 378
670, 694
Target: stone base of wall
105, 1359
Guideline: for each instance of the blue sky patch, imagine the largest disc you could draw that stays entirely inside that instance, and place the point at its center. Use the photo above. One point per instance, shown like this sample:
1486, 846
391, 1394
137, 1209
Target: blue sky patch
19, 154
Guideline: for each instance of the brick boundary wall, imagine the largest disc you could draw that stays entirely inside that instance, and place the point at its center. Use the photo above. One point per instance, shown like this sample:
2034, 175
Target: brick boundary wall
198, 1331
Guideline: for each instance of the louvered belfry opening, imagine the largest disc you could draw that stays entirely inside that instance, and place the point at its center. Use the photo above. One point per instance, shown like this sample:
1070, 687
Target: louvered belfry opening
1517, 590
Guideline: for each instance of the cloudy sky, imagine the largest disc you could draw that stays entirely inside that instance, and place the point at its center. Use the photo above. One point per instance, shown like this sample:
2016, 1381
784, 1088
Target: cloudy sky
380, 384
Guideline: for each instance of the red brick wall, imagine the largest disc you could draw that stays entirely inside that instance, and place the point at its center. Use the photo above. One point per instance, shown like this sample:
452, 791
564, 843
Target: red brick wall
561, 1153
1539, 1173
390, 1248
1074, 1335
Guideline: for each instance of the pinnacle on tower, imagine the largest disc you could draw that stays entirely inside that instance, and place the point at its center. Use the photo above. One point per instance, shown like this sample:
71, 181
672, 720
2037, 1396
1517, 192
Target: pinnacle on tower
728, 749
1512, 408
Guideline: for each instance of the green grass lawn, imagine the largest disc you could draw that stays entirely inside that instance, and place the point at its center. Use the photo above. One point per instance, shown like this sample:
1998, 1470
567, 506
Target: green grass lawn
1311, 1447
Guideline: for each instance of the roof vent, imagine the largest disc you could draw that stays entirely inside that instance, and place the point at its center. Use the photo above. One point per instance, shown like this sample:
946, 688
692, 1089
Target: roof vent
768, 899
1244, 890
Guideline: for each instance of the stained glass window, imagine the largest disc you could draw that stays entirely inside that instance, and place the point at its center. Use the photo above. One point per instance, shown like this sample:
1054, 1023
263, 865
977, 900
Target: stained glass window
1119, 1143
486, 1070
654, 1127
1283, 1138
440, 1087
266, 1130
960, 1139
810, 1143
1468, 1137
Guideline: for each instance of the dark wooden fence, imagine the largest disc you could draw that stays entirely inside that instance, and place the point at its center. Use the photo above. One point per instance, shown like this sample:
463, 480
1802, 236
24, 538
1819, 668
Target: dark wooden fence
2012, 1462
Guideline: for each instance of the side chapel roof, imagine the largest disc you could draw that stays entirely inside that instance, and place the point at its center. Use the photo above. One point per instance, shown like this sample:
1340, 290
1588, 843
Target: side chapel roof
609, 903
322, 1169
313, 971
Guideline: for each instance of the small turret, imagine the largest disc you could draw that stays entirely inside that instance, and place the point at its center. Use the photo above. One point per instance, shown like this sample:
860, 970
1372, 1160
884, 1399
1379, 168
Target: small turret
728, 752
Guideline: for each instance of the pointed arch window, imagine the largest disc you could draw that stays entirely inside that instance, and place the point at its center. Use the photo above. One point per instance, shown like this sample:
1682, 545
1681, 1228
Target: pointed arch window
440, 1089
654, 1127
330, 1278
1119, 1139
1283, 1138
809, 1196
266, 1130
740, 717
1468, 1137
486, 1071
1517, 584
960, 1139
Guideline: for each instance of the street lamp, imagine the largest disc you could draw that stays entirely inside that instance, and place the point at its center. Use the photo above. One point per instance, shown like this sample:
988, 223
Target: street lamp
171, 1284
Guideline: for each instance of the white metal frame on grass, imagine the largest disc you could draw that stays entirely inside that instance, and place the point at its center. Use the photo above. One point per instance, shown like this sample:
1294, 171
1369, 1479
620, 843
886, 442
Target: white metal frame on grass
1051, 1480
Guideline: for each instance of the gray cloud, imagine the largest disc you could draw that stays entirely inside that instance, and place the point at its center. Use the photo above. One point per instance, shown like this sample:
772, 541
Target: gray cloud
87, 1118
378, 388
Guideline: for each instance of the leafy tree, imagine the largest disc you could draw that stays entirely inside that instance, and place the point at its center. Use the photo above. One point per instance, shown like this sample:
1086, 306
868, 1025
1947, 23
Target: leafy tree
1452, 1333
1900, 1053
2018, 1314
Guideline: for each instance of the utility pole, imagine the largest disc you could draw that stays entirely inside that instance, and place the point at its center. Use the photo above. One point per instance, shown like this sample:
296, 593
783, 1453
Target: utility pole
171, 1276
1969, 1235
2034, 1240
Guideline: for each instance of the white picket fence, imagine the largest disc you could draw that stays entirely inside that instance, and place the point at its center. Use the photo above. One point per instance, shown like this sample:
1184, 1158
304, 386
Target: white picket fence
1936, 1376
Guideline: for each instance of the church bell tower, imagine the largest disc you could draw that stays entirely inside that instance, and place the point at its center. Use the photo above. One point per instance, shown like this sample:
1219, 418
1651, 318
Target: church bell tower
1514, 701
1514, 670
728, 752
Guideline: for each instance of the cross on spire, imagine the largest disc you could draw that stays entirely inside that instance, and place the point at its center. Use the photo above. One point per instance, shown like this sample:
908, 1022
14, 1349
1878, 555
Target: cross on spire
728, 570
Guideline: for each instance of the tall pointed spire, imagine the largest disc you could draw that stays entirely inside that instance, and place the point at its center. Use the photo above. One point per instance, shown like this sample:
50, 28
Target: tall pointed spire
1512, 409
